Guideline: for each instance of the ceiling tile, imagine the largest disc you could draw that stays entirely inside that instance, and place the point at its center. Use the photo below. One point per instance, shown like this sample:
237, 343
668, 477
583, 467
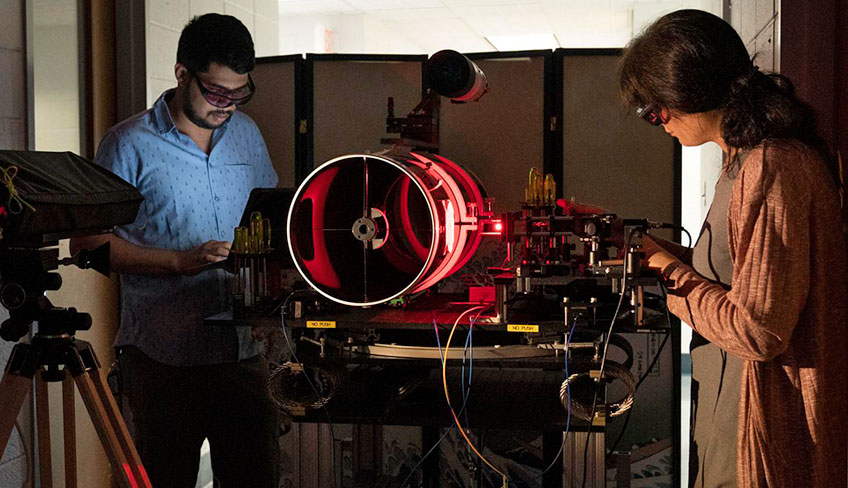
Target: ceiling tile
407, 13
428, 28
392, 4
314, 7
523, 42
466, 44
505, 19
464, 3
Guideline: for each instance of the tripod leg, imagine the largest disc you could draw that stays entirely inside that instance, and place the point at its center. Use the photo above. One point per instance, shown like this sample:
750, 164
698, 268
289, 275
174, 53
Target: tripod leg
42, 413
123, 467
13, 392
97, 412
70, 428
118, 425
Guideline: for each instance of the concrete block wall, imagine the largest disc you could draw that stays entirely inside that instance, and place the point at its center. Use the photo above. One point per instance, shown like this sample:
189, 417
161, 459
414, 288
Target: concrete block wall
166, 19
13, 135
13, 103
757, 22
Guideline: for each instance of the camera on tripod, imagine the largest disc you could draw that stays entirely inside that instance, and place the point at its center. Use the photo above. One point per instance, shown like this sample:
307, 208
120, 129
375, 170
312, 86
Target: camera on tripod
48, 196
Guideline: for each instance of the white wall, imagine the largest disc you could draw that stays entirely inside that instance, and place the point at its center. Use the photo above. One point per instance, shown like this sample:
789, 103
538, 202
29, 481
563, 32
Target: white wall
757, 22
165, 20
56, 75
323, 34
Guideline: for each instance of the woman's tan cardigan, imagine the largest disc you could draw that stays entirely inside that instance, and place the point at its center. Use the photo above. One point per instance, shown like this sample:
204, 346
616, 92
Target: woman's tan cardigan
786, 316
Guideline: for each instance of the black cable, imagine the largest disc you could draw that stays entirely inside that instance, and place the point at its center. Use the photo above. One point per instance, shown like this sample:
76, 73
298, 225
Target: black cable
604, 356
688, 236
315, 390
558, 455
656, 356
666, 225
641, 379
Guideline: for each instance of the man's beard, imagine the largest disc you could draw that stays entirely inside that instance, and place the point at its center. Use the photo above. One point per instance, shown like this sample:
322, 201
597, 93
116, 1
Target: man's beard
199, 121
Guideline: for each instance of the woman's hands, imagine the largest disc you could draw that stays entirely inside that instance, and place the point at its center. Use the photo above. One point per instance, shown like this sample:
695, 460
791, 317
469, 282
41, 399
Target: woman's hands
656, 257
616, 237
574, 208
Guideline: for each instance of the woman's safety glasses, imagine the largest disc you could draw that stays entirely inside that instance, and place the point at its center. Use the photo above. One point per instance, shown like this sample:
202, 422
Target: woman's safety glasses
648, 114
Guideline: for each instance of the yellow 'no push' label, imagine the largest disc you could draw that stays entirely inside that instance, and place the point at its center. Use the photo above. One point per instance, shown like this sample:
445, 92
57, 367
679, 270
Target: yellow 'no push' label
522, 328
320, 324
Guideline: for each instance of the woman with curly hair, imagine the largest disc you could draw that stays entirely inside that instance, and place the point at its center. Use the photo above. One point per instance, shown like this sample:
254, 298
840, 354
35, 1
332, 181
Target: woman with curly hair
764, 288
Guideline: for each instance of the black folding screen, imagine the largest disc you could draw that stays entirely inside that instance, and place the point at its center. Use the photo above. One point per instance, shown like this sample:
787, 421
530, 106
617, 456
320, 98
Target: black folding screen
349, 96
610, 157
275, 109
556, 110
504, 134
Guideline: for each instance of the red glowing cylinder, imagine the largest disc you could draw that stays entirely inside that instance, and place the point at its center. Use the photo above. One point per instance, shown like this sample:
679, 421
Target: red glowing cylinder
364, 229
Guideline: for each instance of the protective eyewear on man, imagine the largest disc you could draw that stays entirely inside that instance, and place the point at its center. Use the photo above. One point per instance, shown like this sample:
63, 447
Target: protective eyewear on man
221, 98
648, 114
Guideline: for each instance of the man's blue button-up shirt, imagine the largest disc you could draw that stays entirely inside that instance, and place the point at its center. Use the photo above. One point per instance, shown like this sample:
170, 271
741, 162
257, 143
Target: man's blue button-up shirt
189, 198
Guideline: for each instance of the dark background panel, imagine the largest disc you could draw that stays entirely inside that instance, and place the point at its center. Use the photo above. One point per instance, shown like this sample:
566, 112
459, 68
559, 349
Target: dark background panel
611, 158
501, 136
349, 98
273, 110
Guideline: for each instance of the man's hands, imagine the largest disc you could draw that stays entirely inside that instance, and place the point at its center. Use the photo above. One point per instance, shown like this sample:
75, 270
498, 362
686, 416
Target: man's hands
127, 257
195, 260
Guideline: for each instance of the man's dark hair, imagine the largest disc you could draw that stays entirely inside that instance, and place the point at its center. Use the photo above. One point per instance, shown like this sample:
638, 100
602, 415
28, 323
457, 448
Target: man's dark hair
219, 39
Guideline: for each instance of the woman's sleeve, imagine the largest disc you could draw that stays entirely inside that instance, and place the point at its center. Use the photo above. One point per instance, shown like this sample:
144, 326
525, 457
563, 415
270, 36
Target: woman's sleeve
681, 252
769, 243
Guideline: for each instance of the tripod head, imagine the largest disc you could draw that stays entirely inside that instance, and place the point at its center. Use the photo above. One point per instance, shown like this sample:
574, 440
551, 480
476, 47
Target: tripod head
27, 272
44, 197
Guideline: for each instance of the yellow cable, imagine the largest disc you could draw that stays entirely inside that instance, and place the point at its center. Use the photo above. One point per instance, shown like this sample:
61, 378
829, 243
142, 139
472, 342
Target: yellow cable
447, 395
8, 179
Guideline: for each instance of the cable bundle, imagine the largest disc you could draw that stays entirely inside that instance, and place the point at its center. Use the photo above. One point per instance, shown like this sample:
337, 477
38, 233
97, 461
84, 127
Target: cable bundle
584, 411
287, 394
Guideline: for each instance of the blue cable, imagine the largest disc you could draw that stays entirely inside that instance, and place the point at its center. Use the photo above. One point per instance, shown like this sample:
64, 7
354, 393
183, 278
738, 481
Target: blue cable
438, 341
467, 351
471, 343
466, 394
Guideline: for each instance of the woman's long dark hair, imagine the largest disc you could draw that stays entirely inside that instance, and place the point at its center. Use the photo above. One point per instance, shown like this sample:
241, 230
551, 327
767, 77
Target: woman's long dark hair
693, 61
